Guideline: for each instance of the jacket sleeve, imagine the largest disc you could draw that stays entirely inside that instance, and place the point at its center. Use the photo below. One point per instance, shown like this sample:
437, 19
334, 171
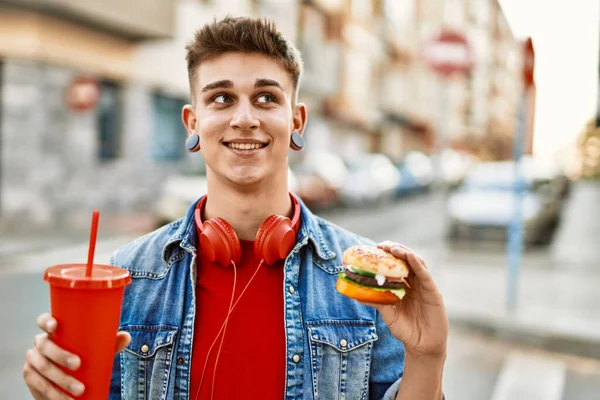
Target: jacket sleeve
387, 364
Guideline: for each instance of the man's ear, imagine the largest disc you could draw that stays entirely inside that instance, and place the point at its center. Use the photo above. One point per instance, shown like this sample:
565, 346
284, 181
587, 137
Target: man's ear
299, 118
188, 117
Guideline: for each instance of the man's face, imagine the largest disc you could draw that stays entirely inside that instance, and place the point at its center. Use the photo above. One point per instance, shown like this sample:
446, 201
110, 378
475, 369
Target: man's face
244, 116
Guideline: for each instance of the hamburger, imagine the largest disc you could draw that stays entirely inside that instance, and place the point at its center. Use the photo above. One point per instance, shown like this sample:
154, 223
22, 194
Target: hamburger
372, 275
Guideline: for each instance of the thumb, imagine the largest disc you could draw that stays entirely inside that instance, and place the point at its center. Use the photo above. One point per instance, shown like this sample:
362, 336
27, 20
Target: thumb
123, 340
389, 313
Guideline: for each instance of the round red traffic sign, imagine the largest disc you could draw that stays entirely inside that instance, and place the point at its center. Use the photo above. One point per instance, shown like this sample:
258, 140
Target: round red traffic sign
449, 53
528, 62
83, 94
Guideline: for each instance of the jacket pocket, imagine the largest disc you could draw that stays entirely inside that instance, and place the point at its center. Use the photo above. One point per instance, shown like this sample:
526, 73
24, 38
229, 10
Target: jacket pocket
340, 356
146, 362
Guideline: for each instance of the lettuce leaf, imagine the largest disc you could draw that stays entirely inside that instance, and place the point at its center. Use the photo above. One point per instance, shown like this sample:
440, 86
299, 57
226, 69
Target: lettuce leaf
356, 270
397, 292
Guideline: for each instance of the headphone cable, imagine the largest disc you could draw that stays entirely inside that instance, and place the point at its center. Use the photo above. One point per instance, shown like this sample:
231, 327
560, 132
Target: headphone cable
224, 327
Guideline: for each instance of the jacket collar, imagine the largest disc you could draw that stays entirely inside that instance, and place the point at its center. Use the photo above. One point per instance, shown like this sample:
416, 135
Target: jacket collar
185, 235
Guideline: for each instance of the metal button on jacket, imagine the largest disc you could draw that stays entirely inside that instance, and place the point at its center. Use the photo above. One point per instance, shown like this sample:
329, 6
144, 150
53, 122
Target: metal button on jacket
296, 358
343, 343
145, 348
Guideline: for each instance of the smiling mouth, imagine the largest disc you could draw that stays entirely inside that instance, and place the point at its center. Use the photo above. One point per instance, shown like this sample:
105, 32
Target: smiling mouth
245, 146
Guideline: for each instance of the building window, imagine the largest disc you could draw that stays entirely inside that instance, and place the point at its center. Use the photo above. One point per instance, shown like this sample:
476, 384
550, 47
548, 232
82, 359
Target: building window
109, 121
168, 142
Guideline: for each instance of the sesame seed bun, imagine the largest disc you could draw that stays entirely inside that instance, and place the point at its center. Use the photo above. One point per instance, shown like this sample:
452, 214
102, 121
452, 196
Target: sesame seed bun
376, 261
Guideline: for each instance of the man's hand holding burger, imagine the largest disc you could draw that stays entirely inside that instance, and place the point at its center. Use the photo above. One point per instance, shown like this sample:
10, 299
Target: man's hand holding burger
394, 280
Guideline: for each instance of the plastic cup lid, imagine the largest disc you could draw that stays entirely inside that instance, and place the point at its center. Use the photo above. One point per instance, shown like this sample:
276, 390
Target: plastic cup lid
73, 276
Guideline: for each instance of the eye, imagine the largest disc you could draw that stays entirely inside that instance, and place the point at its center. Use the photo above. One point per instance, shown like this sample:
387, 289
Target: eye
223, 99
266, 98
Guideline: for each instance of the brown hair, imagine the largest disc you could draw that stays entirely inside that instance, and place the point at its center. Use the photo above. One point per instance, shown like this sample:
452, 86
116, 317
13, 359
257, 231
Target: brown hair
242, 34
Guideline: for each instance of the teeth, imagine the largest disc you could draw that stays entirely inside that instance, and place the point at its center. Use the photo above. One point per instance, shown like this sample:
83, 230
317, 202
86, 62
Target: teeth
245, 146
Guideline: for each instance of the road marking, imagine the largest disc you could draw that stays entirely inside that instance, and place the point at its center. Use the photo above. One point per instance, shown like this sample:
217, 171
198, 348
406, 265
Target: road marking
526, 377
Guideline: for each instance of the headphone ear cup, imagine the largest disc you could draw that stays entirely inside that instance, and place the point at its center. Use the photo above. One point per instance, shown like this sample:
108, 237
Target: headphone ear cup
275, 239
219, 242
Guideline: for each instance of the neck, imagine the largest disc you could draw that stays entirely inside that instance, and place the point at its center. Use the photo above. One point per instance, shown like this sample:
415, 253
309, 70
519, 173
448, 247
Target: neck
246, 208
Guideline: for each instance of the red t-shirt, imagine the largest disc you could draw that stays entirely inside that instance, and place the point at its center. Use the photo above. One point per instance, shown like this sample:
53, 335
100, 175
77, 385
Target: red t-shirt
252, 360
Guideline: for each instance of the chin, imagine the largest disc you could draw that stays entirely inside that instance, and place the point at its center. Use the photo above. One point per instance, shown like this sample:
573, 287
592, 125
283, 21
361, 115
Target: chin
245, 178
245, 182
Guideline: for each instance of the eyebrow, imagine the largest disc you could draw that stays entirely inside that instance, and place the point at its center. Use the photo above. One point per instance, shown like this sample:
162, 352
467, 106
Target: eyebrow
222, 84
267, 82
227, 84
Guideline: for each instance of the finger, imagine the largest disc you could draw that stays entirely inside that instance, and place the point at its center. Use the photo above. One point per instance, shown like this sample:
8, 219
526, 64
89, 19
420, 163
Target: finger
123, 340
388, 245
46, 323
421, 272
388, 312
37, 395
385, 245
402, 252
400, 249
39, 372
50, 350
417, 265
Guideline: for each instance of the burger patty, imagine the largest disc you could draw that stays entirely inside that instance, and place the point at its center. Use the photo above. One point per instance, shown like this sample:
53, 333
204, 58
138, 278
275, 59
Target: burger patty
371, 281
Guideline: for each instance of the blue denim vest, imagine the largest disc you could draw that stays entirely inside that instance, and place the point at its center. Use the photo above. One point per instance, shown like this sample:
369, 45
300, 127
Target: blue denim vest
336, 348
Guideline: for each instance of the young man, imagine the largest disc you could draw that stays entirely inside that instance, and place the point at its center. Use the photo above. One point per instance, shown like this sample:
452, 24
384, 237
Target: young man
238, 298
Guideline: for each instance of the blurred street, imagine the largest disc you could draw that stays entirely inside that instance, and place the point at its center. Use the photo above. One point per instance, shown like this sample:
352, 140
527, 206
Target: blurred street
468, 130
479, 366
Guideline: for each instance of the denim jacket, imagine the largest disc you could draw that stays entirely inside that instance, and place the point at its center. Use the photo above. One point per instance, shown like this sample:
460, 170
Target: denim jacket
336, 348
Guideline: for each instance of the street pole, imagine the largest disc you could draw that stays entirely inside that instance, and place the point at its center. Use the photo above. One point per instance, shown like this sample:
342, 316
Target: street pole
514, 245
441, 145
442, 125
515, 237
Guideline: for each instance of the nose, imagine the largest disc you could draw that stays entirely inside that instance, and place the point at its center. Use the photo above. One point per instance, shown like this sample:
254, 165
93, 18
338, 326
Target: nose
244, 118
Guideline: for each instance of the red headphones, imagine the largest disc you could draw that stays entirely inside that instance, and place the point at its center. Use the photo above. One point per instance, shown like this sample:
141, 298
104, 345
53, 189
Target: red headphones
274, 240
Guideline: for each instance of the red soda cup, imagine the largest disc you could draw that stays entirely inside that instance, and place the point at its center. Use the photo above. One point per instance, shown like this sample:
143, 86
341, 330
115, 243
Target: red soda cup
87, 310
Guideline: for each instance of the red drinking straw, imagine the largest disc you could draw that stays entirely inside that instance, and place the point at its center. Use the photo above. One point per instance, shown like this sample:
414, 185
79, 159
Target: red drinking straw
92, 248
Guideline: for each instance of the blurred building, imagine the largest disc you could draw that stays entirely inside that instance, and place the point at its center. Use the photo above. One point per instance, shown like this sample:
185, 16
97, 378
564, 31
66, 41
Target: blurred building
494, 87
90, 102
67, 147
367, 73
57, 161
480, 118
589, 150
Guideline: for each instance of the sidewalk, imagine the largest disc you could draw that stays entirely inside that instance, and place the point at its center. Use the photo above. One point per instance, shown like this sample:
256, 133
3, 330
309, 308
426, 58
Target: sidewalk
558, 305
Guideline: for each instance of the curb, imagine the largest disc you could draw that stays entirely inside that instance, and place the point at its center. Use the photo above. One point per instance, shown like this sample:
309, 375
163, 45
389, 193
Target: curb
511, 331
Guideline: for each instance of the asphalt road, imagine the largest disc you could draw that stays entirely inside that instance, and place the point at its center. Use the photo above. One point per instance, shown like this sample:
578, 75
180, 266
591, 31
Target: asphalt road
478, 368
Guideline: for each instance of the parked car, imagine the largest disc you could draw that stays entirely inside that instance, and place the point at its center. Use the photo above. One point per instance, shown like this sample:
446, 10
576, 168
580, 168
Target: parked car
179, 191
454, 166
320, 178
416, 174
484, 205
371, 178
